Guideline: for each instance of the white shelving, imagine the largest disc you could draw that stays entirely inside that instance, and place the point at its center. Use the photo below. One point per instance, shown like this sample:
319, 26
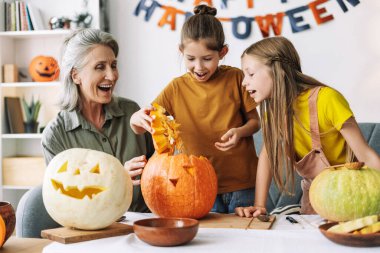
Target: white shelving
30, 84
32, 34
20, 48
12, 187
21, 136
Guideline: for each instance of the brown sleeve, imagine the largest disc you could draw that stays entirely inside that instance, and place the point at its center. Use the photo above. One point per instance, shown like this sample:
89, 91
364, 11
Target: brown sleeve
164, 98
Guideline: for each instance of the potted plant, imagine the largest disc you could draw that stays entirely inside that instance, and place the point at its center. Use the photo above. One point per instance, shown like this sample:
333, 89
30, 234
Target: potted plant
31, 114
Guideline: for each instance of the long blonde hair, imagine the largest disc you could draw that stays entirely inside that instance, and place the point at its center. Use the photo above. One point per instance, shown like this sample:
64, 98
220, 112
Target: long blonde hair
280, 55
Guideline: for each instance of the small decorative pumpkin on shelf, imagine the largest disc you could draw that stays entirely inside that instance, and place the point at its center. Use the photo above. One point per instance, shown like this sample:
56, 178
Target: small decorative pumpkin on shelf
346, 192
176, 185
44, 69
86, 189
7, 221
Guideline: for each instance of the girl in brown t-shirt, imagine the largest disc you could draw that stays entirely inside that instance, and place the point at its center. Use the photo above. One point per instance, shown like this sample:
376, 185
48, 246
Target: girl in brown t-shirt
216, 114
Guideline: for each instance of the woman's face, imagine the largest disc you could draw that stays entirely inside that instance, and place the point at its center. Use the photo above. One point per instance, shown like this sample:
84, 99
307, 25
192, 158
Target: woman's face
97, 79
257, 78
200, 61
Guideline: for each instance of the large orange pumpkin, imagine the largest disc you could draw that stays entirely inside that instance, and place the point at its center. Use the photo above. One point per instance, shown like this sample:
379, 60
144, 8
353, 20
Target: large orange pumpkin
176, 185
43, 69
179, 185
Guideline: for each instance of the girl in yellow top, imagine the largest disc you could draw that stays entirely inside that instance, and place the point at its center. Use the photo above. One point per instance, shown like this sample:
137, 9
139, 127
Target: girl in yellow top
306, 124
216, 114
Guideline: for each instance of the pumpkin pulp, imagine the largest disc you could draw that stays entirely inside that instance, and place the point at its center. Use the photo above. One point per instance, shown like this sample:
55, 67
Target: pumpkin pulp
165, 131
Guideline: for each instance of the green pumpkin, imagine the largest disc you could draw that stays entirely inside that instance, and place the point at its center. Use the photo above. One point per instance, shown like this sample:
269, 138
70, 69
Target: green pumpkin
345, 194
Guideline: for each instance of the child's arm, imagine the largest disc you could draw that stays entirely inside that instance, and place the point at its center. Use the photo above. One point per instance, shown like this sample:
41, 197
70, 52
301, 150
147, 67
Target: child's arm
232, 137
263, 180
354, 138
134, 168
140, 121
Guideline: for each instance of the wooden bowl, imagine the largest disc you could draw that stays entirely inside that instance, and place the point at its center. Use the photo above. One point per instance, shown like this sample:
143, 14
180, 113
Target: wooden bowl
348, 239
166, 231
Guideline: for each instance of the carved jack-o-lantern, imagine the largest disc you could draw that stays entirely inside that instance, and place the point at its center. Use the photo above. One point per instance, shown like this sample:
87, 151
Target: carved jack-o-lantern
179, 185
176, 185
86, 189
43, 69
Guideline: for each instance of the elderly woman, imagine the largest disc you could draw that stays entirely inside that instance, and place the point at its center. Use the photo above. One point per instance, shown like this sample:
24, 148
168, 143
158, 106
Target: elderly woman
91, 117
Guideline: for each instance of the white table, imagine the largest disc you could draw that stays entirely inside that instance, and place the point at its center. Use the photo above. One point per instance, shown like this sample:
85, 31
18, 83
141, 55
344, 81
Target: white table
283, 237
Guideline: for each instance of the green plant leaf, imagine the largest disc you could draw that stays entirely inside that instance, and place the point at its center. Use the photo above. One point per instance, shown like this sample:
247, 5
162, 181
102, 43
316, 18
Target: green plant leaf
32, 110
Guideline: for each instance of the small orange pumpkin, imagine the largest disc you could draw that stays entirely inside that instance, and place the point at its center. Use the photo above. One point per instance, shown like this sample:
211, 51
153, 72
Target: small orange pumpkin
176, 185
44, 69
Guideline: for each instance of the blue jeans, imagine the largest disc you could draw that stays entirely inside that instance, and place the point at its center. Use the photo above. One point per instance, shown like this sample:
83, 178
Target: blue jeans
227, 202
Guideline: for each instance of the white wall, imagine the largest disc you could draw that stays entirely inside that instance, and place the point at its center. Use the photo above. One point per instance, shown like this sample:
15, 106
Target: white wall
343, 53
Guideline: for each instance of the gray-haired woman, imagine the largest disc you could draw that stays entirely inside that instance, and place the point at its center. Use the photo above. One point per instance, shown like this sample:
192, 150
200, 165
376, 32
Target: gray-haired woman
91, 117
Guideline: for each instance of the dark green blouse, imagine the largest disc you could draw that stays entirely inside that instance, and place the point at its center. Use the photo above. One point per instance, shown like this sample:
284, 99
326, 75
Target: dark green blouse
71, 130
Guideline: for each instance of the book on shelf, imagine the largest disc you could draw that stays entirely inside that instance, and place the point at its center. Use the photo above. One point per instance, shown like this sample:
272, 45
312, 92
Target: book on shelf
20, 16
23, 17
14, 115
30, 24
13, 17
8, 16
35, 17
17, 6
3, 16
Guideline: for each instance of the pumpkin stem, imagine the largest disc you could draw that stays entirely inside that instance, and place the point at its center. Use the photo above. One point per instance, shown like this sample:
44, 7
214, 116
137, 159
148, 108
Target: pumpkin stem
350, 166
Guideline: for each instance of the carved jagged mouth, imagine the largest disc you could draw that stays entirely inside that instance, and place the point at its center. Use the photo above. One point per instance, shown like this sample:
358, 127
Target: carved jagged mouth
74, 192
45, 74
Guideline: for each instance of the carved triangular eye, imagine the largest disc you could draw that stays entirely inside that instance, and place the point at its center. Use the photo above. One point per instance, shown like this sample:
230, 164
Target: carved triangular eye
96, 169
63, 168
190, 169
77, 171
174, 181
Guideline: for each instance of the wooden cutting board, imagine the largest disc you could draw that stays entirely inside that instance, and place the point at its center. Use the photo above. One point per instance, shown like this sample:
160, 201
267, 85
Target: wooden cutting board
69, 235
217, 220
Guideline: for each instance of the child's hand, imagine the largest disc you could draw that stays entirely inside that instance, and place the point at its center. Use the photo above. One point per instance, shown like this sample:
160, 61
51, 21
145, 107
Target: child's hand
140, 120
251, 211
134, 168
229, 140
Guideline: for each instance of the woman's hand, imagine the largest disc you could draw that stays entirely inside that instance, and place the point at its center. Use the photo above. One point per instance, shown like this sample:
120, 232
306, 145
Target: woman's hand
135, 167
140, 120
251, 211
229, 140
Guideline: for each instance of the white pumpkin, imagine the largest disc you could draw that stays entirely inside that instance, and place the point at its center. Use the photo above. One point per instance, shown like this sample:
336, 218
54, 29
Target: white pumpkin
86, 189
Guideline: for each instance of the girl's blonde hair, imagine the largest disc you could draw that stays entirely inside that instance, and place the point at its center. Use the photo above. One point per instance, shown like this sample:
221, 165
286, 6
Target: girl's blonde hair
280, 55
203, 25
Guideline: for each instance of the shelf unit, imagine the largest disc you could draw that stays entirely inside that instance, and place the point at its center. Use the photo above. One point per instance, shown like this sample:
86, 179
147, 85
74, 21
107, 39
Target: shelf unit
20, 48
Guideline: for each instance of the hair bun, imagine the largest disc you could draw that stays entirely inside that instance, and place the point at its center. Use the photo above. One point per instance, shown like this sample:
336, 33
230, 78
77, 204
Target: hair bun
204, 9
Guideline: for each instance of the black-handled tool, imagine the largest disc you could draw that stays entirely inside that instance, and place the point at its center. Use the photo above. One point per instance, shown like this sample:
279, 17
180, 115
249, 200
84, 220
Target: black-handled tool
294, 221
291, 219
